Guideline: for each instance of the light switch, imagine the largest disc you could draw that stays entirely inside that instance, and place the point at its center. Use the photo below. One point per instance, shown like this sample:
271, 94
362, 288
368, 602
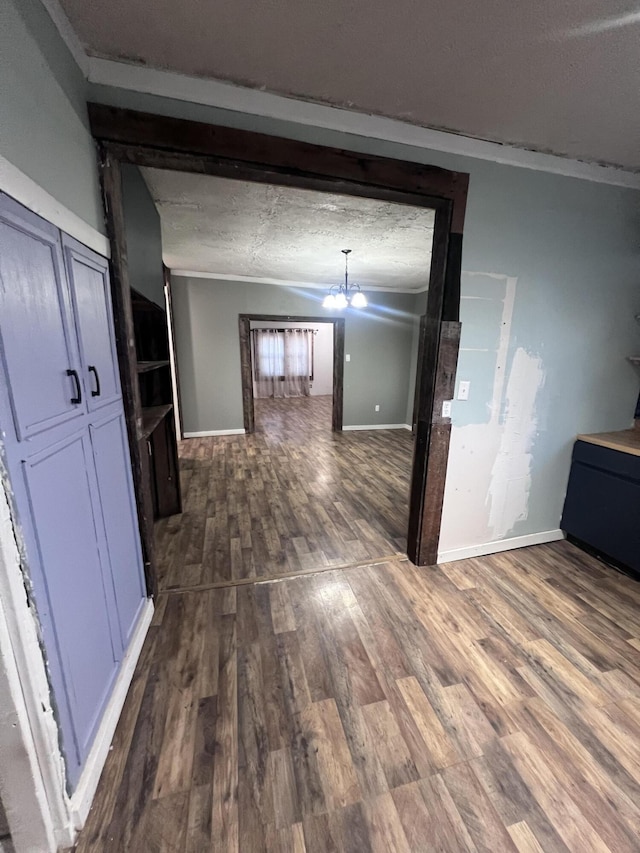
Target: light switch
347, 357
463, 390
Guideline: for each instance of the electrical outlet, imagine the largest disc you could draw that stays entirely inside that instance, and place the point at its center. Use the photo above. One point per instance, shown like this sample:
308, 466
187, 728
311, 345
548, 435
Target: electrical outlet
463, 390
446, 408
377, 408
347, 357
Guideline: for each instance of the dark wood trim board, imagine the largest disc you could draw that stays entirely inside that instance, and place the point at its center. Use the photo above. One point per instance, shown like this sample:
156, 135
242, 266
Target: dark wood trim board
167, 283
145, 139
111, 182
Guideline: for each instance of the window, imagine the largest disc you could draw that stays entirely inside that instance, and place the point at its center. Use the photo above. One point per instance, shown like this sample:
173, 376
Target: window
283, 353
270, 354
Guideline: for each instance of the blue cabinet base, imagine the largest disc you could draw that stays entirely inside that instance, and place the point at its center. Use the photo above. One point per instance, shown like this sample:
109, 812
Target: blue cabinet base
602, 507
605, 558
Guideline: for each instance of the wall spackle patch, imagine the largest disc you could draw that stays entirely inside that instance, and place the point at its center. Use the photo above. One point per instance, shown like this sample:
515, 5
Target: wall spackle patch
510, 484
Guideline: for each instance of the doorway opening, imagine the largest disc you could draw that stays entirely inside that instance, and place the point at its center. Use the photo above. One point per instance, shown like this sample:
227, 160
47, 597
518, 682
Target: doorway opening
264, 342
161, 142
292, 383
260, 391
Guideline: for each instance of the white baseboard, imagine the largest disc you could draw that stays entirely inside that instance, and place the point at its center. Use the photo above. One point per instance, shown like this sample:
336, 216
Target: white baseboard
500, 545
206, 432
83, 795
377, 426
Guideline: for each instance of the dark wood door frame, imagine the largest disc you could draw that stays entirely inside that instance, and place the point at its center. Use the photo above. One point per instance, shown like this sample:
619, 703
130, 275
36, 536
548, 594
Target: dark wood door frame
146, 139
246, 366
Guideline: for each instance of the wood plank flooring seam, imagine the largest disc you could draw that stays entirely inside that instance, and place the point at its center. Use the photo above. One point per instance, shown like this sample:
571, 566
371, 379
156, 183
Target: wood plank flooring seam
397, 558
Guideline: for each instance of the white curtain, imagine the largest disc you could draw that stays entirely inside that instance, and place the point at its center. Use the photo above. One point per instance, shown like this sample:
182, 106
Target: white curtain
282, 362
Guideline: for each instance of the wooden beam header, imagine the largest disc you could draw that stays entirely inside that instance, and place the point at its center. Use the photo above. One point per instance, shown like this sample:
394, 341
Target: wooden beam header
132, 128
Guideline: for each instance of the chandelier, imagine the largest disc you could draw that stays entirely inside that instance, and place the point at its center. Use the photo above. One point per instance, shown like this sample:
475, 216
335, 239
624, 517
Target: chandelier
342, 295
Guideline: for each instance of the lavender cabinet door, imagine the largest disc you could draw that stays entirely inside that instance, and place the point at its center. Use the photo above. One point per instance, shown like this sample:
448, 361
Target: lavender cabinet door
37, 340
71, 590
91, 296
119, 515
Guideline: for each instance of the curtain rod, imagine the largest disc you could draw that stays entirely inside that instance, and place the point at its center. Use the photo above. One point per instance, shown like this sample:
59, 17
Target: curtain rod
271, 329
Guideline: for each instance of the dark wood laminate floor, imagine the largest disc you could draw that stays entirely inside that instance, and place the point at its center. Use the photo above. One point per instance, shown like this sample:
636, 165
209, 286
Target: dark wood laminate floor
487, 705
292, 496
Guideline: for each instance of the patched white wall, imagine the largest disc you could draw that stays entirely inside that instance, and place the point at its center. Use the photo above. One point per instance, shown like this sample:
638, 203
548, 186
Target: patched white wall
31, 771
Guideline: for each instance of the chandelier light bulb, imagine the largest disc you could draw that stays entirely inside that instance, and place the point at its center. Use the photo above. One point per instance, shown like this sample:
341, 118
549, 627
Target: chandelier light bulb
329, 301
340, 300
359, 300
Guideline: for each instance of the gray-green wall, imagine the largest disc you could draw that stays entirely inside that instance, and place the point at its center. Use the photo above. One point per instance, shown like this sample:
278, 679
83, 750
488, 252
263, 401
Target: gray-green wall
44, 128
144, 236
568, 252
378, 339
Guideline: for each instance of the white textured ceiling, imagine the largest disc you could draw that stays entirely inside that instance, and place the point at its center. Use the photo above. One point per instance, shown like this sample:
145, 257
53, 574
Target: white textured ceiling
238, 229
552, 75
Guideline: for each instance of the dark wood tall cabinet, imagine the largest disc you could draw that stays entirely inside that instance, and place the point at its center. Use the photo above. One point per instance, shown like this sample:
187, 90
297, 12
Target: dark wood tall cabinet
145, 368
156, 404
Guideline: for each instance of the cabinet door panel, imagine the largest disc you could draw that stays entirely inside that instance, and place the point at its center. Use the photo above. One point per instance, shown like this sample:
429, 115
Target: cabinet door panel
601, 509
89, 278
37, 340
59, 486
115, 486
166, 476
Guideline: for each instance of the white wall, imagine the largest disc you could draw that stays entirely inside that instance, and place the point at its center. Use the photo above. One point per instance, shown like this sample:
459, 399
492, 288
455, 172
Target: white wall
322, 354
323, 361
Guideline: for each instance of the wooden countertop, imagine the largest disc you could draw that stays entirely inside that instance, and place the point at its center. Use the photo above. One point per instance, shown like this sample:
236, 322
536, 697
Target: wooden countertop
625, 440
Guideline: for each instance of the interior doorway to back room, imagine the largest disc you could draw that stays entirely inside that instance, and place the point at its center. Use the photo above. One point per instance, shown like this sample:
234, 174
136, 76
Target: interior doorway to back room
292, 376
297, 415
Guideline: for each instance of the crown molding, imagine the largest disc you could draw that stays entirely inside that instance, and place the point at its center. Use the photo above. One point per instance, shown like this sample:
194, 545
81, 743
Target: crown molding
278, 282
241, 99
68, 34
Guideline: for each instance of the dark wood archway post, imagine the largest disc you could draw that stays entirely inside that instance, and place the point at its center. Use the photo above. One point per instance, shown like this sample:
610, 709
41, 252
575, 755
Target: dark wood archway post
145, 139
438, 359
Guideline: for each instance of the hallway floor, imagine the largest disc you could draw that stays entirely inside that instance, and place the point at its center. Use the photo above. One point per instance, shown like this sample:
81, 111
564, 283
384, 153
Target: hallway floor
290, 497
488, 705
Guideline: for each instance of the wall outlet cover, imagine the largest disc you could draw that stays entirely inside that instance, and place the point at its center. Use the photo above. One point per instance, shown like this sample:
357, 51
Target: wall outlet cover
463, 390
377, 408
347, 357
446, 408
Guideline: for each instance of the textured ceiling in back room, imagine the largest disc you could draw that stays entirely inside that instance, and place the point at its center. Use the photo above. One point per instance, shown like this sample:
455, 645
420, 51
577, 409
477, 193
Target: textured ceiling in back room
259, 231
552, 75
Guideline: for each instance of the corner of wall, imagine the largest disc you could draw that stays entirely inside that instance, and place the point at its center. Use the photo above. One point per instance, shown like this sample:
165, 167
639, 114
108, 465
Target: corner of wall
34, 793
